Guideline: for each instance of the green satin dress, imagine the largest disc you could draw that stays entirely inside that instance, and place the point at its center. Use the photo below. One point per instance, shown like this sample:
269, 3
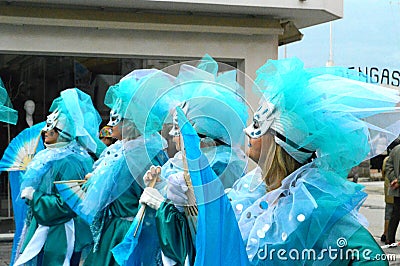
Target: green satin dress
174, 235
121, 213
50, 210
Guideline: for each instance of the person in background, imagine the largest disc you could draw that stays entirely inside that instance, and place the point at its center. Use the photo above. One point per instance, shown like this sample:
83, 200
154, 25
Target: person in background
389, 201
105, 135
392, 169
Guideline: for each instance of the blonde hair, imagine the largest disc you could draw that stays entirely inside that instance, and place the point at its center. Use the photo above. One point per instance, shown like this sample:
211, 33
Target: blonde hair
282, 165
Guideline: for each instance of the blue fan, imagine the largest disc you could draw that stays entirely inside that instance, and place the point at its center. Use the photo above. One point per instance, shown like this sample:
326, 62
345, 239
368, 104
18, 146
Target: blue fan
72, 192
22, 148
16, 157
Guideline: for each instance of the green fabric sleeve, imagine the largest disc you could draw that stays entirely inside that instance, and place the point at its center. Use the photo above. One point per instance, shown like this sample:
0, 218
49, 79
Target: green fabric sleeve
370, 252
50, 209
174, 235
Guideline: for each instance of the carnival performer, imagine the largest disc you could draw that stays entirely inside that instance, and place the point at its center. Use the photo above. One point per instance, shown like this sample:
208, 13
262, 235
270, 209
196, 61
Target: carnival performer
53, 234
314, 126
214, 107
7, 113
114, 186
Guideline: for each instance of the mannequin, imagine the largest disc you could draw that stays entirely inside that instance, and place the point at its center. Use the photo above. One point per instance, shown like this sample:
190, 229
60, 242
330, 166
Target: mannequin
29, 107
24, 120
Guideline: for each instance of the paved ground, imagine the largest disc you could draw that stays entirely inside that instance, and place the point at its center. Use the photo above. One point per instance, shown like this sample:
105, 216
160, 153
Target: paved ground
5, 251
372, 209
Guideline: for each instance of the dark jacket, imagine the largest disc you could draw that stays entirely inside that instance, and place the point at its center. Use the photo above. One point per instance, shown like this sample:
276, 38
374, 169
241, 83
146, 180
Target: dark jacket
393, 170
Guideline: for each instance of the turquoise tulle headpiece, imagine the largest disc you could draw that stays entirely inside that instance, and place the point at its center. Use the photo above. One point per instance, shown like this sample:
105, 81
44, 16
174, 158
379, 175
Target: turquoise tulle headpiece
211, 100
327, 111
76, 118
149, 98
148, 107
117, 98
137, 98
7, 113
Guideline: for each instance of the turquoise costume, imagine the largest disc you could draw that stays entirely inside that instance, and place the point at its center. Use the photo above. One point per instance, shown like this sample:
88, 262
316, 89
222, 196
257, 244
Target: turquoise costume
113, 191
48, 209
212, 102
329, 124
110, 223
217, 235
246, 190
53, 234
174, 235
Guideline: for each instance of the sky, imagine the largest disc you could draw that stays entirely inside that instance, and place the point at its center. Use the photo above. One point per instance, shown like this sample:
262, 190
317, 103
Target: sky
368, 35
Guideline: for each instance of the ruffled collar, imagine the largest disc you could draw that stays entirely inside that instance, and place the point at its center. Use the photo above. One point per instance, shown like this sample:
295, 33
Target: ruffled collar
44, 160
56, 145
310, 195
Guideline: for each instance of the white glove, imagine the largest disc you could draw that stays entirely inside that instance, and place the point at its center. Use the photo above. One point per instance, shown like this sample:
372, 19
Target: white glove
151, 197
27, 193
176, 190
153, 172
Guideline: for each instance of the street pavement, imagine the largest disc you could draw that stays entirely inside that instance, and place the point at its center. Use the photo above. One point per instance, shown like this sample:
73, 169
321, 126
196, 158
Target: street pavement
373, 209
5, 251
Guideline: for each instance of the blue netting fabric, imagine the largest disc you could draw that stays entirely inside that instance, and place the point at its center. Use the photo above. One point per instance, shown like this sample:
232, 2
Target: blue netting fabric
228, 164
148, 105
140, 95
142, 249
7, 113
342, 118
40, 171
310, 203
218, 239
120, 164
246, 190
215, 106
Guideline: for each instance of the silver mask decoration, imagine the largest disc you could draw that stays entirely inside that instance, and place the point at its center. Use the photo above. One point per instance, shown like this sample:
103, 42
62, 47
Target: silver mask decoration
262, 120
51, 121
115, 114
